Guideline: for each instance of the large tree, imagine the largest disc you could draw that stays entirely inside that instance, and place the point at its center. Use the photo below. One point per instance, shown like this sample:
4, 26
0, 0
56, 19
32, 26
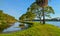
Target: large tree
38, 10
42, 3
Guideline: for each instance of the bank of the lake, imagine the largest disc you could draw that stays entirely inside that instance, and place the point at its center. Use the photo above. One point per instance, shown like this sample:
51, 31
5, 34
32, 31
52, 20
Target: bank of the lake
6, 20
37, 30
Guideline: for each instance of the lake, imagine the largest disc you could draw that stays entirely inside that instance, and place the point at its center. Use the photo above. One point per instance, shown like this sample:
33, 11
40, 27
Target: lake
16, 27
56, 23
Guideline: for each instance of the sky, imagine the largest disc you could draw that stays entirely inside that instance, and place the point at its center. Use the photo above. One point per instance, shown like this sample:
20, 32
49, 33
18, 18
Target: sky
17, 8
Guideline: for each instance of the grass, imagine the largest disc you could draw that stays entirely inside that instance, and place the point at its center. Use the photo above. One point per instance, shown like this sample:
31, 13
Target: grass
37, 30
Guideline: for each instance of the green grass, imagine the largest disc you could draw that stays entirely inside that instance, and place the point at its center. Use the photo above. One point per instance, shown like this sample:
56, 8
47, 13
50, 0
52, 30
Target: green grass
37, 30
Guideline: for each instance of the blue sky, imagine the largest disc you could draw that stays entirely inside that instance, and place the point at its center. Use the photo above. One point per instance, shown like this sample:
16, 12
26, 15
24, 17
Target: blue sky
18, 7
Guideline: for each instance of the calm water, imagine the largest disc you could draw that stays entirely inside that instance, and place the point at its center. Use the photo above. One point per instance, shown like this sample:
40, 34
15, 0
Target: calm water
56, 23
16, 25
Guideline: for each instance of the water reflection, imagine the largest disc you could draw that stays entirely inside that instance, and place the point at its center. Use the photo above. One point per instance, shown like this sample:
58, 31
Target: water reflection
15, 27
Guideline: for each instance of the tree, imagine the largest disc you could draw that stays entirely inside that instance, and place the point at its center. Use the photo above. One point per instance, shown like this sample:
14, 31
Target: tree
48, 10
27, 16
43, 4
38, 10
1, 11
6, 20
22, 18
30, 16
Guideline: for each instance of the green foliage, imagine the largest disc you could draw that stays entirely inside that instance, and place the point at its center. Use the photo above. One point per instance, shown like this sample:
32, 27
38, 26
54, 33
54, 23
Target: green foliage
30, 16
27, 16
39, 12
33, 6
22, 18
5, 20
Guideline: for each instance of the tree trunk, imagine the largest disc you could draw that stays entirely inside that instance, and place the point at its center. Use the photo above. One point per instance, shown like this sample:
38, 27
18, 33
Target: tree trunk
40, 19
43, 15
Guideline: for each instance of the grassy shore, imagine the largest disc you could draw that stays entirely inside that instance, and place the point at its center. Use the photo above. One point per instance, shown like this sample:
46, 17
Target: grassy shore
37, 30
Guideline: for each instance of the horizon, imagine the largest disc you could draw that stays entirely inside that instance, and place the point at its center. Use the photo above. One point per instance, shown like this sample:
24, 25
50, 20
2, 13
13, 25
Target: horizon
17, 8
